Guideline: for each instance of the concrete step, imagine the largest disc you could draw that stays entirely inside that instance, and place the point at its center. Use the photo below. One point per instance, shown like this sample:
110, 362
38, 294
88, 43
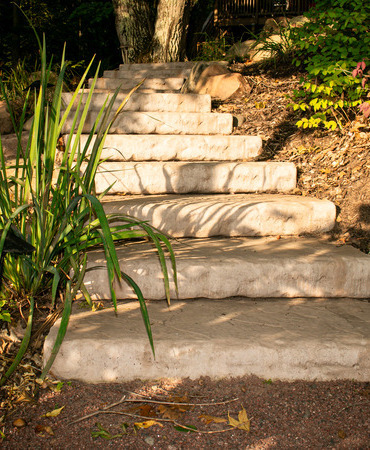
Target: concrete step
249, 267
156, 66
228, 215
148, 73
272, 339
148, 102
181, 177
143, 147
132, 122
163, 66
171, 84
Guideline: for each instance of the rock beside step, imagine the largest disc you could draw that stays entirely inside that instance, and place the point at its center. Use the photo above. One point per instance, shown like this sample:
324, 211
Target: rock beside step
132, 122
164, 84
272, 339
147, 102
249, 267
228, 215
136, 147
181, 177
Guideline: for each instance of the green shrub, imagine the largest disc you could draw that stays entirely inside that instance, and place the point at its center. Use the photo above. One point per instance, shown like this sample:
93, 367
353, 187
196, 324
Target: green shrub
57, 211
329, 47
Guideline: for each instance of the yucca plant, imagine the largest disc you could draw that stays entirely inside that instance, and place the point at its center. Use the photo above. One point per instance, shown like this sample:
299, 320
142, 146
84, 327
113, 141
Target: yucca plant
56, 209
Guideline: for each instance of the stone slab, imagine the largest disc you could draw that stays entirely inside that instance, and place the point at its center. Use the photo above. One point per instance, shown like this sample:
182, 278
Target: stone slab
180, 177
156, 66
132, 122
172, 84
296, 339
228, 215
136, 147
250, 267
148, 102
181, 72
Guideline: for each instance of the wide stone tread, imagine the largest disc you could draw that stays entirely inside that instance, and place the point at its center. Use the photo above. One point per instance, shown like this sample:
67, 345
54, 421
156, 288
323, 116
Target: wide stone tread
249, 267
148, 73
156, 66
132, 122
272, 339
228, 215
181, 177
136, 147
147, 102
172, 84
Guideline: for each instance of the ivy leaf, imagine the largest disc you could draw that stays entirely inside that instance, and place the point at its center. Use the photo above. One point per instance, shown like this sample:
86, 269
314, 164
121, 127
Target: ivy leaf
186, 428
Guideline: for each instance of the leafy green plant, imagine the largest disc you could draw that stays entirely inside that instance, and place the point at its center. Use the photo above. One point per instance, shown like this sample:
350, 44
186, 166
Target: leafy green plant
57, 211
278, 45
328, 47
212, 49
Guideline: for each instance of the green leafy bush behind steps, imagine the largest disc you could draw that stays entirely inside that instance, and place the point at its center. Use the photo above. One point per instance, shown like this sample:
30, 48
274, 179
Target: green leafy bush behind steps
329, 47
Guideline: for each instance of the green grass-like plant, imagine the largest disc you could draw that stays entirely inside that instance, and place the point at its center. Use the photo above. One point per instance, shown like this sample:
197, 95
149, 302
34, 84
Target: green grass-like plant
56, 209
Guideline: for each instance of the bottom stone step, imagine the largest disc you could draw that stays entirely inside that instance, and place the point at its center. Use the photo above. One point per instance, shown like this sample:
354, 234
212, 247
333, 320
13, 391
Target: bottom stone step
273, 339
250, 267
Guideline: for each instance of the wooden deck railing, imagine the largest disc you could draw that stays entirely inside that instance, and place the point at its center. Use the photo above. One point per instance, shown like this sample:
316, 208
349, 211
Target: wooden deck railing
238, 12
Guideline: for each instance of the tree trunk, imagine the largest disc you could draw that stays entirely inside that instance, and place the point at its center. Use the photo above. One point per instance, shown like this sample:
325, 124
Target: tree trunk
170, 30
134, 26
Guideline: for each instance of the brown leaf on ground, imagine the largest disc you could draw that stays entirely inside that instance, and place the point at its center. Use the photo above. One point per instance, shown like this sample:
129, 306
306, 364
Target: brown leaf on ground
211, 419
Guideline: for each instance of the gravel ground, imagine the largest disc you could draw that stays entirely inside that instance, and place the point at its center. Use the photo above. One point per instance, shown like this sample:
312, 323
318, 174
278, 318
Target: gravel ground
312, 415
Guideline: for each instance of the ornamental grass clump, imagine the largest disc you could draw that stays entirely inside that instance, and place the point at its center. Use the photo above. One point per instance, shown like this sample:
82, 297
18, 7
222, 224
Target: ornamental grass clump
55, 210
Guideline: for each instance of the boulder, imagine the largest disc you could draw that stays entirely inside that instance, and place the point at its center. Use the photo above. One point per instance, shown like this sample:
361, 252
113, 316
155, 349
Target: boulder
275, 25
6, 125
298, 21
216, 80
240, 49
198, 69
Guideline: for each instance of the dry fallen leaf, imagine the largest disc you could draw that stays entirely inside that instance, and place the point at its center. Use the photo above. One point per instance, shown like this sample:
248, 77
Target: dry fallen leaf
19, 423
211, 419
53, 413
41, 429
242, 423
147, 424
145, 410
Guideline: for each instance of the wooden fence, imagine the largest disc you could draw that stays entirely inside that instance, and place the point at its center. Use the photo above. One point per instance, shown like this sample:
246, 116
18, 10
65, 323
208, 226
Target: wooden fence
246, 12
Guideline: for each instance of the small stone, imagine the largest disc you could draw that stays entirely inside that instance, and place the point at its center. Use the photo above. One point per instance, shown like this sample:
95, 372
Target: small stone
149, 440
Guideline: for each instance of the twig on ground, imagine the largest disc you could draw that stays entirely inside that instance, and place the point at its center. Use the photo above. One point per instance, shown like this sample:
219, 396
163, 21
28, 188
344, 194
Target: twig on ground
124, 400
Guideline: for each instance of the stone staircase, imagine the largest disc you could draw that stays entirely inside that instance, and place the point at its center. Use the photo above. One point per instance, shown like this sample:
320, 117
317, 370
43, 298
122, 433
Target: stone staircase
259, 291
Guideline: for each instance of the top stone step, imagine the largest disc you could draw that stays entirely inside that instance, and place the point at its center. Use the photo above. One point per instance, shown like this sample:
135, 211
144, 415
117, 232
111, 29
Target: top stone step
163, 66
147, 73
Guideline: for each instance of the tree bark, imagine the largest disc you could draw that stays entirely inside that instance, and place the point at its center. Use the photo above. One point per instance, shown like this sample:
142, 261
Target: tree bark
171, 25
134, 26
153, 30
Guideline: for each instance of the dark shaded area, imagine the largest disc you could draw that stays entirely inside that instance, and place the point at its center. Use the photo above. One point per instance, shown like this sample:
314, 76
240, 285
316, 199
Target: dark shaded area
14, 244
87, 28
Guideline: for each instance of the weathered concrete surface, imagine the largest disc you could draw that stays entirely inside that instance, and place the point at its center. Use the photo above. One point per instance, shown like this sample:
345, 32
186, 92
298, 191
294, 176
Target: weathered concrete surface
147, 102
150, 67
148, 73
136, 147
180, 177
273, 339
172, 84
132, 122
250, 267
228, 215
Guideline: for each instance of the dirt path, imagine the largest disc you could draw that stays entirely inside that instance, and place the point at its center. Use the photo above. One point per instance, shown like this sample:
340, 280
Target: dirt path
282, 415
